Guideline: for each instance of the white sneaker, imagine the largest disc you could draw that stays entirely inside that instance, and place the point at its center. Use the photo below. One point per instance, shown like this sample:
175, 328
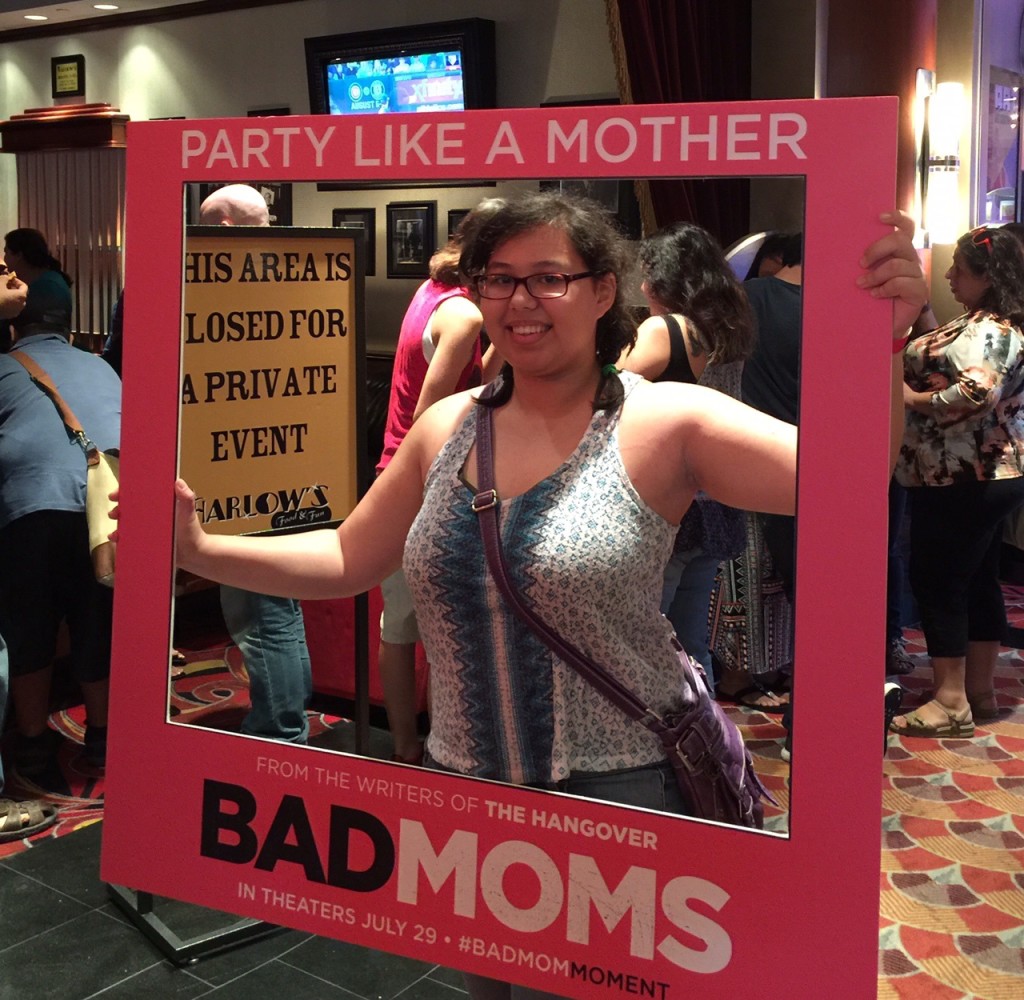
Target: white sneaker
786, 753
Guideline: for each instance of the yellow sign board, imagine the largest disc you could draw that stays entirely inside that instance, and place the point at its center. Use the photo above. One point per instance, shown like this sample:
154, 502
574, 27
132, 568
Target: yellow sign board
271, 363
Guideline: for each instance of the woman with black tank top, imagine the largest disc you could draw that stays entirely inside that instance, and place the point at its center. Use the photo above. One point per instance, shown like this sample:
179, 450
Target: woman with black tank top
700, 331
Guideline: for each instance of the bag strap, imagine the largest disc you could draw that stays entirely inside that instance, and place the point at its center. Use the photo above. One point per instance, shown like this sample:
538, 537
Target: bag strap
45, 383
485, 506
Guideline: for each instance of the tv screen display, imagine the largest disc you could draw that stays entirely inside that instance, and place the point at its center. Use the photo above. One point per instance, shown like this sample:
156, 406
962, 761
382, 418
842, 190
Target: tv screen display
426, 81
445, 66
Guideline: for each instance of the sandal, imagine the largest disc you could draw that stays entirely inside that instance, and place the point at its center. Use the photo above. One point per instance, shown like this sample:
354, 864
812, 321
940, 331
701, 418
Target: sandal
19, 820
984, 707
956, 726
747, 697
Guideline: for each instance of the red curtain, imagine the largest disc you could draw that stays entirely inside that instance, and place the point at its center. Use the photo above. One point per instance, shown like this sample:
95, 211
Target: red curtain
686, 51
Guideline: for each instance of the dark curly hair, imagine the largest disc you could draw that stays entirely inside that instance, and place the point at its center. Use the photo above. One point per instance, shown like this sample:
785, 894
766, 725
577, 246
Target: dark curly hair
444, 265
31, 244
996, 254
597, 240
686, 272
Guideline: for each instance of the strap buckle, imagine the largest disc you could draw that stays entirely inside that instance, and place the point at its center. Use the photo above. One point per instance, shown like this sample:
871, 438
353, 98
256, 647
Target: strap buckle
484, 500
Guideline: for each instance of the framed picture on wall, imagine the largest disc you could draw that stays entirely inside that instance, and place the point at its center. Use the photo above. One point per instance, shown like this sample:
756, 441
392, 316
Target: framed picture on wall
279, 201
618, 196
67, 76
411, 238
455, 217
367, 218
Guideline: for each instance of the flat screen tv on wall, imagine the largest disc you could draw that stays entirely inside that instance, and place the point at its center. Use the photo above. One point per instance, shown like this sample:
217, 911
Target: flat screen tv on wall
445, 66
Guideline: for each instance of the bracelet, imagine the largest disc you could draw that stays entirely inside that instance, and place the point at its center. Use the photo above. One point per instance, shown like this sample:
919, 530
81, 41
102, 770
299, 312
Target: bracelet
899, 345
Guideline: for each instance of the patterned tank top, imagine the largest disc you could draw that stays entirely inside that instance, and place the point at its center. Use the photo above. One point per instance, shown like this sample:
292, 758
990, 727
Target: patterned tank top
588, 554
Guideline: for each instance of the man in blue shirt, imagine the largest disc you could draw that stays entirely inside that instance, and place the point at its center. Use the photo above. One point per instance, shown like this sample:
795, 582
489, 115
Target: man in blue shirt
26, 818
46, 573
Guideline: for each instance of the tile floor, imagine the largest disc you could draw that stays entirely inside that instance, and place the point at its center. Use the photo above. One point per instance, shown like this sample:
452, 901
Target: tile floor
62, 936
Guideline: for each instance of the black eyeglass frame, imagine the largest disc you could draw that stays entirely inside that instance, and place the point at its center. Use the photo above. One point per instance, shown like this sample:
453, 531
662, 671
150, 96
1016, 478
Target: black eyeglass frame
525, 282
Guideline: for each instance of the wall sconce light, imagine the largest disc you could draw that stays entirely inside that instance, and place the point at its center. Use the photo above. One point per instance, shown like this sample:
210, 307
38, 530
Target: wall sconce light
923, 90
942, 216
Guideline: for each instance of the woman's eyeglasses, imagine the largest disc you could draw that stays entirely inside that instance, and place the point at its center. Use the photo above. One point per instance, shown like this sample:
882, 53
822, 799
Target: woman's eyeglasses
539, 286
981, 237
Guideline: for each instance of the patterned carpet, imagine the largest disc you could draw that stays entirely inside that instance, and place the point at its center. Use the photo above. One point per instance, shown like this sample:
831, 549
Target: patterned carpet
213, 692
70, 783
952, 890
952, 871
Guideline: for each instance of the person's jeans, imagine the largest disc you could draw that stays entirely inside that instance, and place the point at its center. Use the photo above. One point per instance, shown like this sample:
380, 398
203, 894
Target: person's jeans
780, 537
685, 597
270, 634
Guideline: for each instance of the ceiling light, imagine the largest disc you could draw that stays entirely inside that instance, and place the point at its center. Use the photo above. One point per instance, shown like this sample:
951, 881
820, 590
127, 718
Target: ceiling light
105, 6
36, 17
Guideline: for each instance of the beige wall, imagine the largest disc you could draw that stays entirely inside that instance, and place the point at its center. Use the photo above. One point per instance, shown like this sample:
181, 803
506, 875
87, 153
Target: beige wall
973, 35
199, 67
223, 65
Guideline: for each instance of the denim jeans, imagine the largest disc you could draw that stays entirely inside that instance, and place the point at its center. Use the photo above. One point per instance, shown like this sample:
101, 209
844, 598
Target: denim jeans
270, 634
685, 598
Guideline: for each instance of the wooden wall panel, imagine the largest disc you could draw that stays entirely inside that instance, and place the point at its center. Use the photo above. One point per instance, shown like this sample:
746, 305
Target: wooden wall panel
875, 47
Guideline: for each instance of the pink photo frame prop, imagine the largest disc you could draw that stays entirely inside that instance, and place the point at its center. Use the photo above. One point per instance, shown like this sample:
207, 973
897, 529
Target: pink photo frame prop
572, 896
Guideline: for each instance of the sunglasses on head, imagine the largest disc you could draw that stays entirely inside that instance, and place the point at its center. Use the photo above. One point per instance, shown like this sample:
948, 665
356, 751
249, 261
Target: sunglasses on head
982, 237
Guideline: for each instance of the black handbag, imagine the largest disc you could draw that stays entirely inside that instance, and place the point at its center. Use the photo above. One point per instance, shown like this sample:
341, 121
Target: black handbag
712, 765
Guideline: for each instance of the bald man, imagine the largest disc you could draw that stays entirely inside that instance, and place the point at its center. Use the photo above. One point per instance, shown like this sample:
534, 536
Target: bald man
269, 631
234, 205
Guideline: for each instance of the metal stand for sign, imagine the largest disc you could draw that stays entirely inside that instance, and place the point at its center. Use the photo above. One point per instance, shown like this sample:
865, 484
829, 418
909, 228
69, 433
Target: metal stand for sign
362, 672
138, 907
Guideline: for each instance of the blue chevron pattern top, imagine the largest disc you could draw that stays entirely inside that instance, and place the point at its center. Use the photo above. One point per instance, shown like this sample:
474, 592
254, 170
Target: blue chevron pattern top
589, 554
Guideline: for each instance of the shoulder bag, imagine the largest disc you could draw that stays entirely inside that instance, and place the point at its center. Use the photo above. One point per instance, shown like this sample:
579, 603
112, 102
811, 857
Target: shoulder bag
712, 766
100, 481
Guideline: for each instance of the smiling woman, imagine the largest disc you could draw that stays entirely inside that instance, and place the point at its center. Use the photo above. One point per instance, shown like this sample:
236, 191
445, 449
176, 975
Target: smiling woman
571, 434
471, 828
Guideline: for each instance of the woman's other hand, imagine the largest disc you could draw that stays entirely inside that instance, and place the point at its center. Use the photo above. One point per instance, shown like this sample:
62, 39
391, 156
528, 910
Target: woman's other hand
893, 271
915, 400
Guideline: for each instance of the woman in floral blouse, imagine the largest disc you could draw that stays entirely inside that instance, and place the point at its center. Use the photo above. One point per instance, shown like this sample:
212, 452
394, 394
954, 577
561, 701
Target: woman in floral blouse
963, 458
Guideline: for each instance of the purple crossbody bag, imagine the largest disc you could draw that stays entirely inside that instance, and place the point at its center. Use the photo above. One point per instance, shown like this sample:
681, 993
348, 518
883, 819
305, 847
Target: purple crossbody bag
711, 763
